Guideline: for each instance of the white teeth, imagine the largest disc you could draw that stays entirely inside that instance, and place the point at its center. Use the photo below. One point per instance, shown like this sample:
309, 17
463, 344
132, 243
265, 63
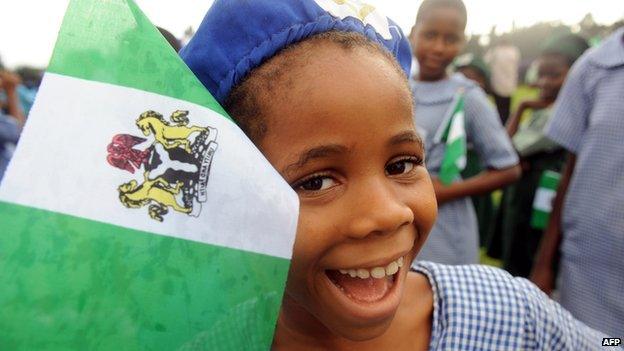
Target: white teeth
377, 272
363, 273
392, 268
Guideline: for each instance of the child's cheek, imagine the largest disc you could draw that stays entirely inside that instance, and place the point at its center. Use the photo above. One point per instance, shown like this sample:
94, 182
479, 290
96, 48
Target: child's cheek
425, 208
306, 242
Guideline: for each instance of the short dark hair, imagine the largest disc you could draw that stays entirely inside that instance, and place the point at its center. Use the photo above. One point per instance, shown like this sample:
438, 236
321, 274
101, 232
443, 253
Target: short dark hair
568, 46
428, 5
246, 100
171, 39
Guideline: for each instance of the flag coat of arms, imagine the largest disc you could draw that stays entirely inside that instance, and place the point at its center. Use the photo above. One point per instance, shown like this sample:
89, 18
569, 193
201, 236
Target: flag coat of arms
135, 214
453, 133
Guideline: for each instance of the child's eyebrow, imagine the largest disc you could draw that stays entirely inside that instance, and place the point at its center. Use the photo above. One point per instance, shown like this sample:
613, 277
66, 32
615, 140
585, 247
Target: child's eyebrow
408, 136
313, 153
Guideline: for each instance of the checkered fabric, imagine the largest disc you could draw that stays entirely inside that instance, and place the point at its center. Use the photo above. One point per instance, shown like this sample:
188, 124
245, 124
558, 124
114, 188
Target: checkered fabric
588, 120
484, 308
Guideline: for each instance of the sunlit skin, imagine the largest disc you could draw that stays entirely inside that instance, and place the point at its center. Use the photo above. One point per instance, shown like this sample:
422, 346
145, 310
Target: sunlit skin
436, 40
342, 135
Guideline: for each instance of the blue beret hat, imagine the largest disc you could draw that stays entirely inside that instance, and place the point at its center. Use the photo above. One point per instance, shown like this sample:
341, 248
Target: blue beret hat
237, 36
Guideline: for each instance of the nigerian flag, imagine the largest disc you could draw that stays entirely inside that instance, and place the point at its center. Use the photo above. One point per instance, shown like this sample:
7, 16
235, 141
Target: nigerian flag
544, 197
454, 136
135, 214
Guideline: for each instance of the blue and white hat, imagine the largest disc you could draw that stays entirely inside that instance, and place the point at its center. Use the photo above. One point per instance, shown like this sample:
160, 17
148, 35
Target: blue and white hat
237, 36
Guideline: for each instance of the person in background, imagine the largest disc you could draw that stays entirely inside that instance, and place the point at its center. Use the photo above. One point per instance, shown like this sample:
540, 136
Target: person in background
437, 37
27, 91
587, 222
538, 154
475, 69
30, 79
504, 60
11, 118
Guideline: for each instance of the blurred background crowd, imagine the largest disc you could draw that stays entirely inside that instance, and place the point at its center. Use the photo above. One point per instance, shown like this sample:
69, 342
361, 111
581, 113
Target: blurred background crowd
477, 62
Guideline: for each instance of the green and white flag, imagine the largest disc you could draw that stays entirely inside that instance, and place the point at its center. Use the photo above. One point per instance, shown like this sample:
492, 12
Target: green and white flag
544, 197
135, 214
453, 134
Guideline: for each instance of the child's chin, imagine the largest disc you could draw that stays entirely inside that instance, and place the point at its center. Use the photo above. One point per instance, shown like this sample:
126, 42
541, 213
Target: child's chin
363, 333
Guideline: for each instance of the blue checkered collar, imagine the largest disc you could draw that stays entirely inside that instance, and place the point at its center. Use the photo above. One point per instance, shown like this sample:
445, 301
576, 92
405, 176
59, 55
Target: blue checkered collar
611, 53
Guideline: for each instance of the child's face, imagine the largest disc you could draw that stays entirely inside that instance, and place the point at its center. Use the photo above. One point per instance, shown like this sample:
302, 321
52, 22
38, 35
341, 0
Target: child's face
551, 73
436, 40
341, 133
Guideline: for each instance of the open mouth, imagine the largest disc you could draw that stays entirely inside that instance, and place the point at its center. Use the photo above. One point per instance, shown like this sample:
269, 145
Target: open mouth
366, 285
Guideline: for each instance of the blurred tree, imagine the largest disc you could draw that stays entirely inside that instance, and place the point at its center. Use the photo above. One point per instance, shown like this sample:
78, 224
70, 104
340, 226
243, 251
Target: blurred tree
530, 40
473, 46
617, 25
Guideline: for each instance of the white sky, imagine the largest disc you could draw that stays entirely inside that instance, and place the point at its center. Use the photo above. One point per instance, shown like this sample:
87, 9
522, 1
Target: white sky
28, 28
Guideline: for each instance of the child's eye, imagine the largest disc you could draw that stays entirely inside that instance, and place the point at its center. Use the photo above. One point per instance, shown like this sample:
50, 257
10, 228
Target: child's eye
403, 166
452, 39
315, 183
430, 35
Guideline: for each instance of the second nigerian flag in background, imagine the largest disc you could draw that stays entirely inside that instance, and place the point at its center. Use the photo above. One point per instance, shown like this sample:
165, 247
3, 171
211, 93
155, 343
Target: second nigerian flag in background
454, 136
139, 216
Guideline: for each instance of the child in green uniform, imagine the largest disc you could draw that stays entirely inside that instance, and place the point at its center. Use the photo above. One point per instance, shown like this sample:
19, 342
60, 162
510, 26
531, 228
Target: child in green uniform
538, 154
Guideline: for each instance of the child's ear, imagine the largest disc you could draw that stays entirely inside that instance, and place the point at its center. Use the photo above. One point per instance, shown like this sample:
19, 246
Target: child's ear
412, 33
412, 36
463, 42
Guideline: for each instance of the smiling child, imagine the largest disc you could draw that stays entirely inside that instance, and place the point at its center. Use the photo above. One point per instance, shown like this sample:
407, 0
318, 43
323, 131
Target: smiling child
437, 37
321, 88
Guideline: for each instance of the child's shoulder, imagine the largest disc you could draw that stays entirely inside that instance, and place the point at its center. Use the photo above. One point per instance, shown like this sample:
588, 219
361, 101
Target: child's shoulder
473, 94
599, 62
482, 303
609, 54
460, 80
497, 310
453, 284
444, 91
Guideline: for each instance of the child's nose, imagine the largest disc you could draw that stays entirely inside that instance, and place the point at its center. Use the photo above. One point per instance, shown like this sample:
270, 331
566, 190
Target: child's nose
439, 45
377, 209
